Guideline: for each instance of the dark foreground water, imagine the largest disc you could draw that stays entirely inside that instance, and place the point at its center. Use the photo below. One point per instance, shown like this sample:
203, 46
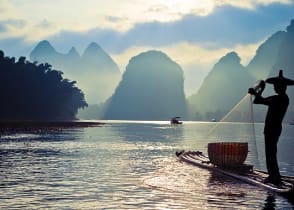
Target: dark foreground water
131, 165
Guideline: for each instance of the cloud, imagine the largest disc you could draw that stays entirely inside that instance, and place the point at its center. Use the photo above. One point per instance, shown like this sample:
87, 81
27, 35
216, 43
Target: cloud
26, 28
208, 22
7, 10
45, 24
15, 47
2, 27
120, 16
13, 23
250, 4
227, 27
195, 34
224, 25
8, 19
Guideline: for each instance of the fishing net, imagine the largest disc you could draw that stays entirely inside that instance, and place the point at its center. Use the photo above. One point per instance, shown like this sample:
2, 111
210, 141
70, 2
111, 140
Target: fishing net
238, 126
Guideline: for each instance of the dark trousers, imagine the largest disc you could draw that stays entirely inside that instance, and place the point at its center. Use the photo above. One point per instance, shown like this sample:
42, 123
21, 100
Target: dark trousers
271, 142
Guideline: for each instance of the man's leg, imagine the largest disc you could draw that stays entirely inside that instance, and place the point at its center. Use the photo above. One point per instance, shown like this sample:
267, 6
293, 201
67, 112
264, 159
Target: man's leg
271, 142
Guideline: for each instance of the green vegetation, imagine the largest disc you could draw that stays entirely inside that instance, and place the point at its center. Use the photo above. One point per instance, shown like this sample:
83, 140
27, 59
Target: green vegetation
31, 91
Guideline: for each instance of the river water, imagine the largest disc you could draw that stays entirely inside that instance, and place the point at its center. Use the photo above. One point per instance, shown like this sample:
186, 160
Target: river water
131, 165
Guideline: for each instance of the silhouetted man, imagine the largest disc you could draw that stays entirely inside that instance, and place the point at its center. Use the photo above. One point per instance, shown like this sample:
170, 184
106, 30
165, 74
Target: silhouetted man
277, 107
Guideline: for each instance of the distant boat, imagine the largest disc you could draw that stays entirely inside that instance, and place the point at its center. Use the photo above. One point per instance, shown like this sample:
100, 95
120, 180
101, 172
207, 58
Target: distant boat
175, 121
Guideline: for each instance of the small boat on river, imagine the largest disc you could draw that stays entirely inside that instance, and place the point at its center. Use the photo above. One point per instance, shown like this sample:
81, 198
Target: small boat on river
175, 121
244, 173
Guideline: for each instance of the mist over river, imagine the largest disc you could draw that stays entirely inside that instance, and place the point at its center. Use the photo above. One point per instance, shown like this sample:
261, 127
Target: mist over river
131, 165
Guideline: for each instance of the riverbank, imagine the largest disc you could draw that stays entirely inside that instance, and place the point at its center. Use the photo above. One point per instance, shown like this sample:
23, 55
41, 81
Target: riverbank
43, 126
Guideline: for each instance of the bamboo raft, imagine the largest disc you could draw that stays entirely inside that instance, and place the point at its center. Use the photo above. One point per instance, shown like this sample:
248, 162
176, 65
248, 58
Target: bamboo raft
244, 173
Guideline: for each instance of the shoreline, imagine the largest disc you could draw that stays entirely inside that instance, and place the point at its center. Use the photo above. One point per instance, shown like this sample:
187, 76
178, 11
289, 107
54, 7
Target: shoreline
7, 127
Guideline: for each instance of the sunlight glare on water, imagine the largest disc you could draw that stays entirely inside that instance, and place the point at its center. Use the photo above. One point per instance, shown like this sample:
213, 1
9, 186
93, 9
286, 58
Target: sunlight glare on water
126, 165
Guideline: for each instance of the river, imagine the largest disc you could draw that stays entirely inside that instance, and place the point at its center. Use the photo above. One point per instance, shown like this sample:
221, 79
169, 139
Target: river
131, 165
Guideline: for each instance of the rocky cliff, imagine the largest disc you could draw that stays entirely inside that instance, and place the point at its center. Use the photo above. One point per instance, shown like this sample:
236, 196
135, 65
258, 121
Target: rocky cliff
152, 88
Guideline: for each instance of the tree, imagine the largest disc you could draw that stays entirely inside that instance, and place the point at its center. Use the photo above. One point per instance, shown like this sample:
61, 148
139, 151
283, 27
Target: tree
31, 91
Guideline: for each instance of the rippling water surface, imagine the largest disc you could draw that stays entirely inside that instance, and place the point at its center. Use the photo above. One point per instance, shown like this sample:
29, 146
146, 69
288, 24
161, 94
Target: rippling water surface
131, 165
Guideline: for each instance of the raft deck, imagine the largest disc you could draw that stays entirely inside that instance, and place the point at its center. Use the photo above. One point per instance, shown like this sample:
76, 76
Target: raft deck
245, 173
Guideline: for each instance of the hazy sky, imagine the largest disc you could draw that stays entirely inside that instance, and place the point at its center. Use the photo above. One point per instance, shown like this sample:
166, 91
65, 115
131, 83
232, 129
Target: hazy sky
194, 33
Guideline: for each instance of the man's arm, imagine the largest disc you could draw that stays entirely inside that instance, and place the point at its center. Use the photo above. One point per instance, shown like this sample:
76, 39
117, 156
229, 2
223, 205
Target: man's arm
261, 100
258, 99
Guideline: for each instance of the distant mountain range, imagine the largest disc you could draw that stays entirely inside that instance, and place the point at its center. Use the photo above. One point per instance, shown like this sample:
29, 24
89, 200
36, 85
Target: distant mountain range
225, 86
152, 84
95, 71
228, 81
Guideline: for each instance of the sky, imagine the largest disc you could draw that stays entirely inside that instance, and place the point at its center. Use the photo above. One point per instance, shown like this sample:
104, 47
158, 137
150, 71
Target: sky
194, 33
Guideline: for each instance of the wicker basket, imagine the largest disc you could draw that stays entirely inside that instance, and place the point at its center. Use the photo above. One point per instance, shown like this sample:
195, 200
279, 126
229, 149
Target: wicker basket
228, 154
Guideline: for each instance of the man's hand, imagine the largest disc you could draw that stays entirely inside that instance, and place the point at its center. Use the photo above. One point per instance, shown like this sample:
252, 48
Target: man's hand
251, 91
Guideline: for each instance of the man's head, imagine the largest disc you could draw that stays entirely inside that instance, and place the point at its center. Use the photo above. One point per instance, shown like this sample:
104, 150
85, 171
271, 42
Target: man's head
280, 83
280, 88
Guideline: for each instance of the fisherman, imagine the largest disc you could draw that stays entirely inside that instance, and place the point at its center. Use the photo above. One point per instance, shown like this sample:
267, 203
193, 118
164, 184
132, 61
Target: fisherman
277, 107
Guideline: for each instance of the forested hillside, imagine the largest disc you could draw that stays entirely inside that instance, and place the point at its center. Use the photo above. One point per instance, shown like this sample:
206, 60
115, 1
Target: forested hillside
31, 91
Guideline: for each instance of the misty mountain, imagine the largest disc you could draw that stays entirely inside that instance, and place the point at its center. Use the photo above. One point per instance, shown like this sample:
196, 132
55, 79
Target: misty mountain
260, 66
274, 54
229, 81
225, 85
152, 88
95, 71
44, 51
152, 85
285, 61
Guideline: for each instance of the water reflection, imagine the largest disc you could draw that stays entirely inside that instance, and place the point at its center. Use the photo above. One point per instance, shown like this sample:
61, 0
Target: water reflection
42, 135
117, 166
149, 132
273, 201
270, 202
228, 193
